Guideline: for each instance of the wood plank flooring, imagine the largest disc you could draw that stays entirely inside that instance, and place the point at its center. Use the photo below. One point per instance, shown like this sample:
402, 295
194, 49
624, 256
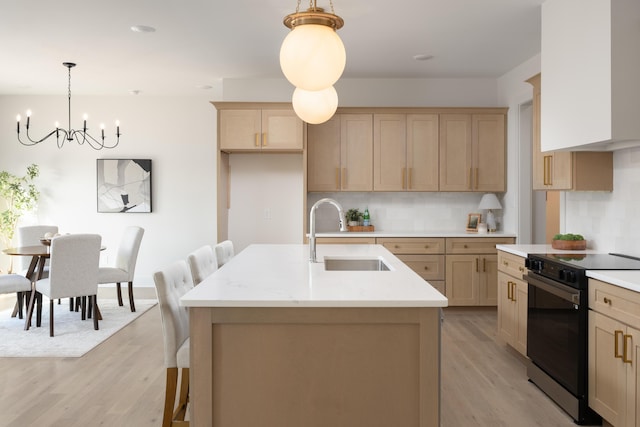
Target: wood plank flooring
121, 382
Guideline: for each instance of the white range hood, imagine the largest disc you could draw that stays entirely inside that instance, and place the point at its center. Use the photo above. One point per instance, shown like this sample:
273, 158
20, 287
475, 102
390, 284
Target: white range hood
590, 74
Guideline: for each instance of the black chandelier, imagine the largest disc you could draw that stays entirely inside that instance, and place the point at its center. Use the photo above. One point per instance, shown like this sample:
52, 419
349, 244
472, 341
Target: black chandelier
80, 135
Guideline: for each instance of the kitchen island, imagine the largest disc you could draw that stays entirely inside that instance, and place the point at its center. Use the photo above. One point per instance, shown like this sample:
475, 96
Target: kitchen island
277, 341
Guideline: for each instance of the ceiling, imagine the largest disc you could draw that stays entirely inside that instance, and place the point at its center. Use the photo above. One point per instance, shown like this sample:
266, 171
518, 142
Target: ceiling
198, 43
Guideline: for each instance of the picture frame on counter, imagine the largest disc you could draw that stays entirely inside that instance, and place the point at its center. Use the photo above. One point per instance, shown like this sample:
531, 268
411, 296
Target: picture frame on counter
472, 222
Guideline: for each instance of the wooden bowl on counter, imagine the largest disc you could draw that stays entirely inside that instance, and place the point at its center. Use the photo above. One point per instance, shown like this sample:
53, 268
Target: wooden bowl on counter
569, 245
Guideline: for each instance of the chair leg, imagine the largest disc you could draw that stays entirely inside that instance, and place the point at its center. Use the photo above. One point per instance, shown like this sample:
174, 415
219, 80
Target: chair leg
38, 309
183, 399
71, 303
83, 305
27, 322
131, 303
19, 305
51, 317
170, 396
119, 290
94, 303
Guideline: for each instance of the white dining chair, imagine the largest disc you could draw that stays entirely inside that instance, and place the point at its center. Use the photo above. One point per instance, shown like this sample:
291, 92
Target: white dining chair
224, 252
18, 284
125, 265
73, 273
171, 284
30, 235
202, 262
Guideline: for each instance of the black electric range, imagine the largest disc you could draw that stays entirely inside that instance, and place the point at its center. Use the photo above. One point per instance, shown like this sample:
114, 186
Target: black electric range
570, 268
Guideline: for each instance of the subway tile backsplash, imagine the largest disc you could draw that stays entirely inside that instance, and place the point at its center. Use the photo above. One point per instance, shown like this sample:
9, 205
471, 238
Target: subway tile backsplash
610, 221
401, 212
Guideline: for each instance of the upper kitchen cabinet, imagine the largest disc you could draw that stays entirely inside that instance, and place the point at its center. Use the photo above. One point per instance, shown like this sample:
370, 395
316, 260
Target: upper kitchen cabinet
405, 152
340, 154
262, 129
473, 152
565, 170
590, 64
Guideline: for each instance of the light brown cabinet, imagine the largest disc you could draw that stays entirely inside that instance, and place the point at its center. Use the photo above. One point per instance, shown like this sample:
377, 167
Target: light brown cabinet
472, 270
512, 301
614, 353
260, 129
472, 152
425, 256
340, 154
405, 152
566, 170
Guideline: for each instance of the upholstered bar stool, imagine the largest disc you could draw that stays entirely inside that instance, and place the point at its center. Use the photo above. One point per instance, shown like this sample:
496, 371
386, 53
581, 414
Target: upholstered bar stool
224, 252
202, 262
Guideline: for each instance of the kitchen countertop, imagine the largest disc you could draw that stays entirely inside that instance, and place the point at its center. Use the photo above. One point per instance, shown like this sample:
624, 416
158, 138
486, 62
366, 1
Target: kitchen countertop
281, 276
452, 233
629, 279
525, 250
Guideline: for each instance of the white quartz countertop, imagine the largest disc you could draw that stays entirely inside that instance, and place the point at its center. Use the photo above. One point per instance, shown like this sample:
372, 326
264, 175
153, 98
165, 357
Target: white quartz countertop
525, 250
451, 233
282, 276
629, 279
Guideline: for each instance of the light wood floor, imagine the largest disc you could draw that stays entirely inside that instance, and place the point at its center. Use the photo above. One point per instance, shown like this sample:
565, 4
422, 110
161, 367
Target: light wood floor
121, 383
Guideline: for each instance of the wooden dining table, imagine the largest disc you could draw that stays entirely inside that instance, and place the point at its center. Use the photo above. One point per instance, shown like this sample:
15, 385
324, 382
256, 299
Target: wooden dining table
39, 255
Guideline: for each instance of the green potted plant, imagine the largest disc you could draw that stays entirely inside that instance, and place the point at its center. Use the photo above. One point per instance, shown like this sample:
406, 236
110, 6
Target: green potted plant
569, 241
353, 217
19, 196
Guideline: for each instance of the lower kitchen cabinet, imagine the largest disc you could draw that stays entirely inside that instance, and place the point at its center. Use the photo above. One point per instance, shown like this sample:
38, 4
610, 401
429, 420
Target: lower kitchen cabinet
471, 279
614, 353
425, 256
512, 301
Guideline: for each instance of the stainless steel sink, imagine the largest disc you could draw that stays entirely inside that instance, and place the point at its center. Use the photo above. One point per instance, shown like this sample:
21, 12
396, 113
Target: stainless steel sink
355, 264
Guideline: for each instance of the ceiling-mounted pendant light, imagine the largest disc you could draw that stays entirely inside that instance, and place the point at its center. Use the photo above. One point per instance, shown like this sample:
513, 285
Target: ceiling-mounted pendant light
315, 107
81, 136
312, 56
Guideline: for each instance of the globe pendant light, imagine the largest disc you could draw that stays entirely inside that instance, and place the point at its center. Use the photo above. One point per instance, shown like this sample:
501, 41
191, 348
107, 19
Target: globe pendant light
315, 107
312, 56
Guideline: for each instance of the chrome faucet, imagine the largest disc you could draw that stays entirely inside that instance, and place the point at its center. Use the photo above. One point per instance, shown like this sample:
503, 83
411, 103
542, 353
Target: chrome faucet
312, 225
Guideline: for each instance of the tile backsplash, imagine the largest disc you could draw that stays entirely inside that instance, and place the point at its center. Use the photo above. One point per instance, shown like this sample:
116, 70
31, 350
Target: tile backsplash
610, 221
401, 212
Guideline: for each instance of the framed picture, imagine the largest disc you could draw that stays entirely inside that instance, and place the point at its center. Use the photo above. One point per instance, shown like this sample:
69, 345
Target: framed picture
473, 221
124, 185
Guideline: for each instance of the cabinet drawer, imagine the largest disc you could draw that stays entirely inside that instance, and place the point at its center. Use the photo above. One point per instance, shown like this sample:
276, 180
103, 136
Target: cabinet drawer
512, 265
477, 245
429, 267
616, 302
411, 245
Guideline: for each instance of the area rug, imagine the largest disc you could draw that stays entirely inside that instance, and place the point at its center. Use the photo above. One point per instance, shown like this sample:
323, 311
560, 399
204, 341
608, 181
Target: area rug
73, 337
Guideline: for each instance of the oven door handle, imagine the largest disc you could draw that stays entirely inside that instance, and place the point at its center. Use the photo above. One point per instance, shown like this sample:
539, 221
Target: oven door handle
565, 292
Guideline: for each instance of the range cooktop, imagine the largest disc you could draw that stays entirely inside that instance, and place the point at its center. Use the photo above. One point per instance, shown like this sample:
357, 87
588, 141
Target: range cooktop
610, 261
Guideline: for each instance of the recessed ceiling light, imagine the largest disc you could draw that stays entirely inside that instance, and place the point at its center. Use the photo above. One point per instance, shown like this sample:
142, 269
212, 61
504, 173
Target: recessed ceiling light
134, 92
422, 57
142, 29
205, 87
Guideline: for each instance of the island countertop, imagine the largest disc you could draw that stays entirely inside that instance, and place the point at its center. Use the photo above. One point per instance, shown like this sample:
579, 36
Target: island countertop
267, 275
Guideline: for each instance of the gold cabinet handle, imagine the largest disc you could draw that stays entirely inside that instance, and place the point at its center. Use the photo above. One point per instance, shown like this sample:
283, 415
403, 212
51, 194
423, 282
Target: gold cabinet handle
521, 269
484, 265
396, 246
509, 290
426, 246
477, 265
470, 178
403, 174
607, 301
464, 246
264, 139
616, 343
257, 140
337, 178
344, 178
409, 173
546, 176
476, 178
505, 263
513, 291
625, 347
426, 268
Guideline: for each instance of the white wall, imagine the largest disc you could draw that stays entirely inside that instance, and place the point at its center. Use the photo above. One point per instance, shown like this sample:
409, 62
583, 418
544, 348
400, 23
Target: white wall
177, 133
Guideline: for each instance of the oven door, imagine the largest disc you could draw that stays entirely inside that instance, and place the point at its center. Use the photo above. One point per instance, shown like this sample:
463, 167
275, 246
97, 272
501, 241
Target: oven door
556, 332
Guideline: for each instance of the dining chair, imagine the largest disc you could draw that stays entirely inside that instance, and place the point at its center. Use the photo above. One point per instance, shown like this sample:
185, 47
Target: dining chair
171, 284
125, 264
15, 283
30, 235
73, 273
202, 262
224, 252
